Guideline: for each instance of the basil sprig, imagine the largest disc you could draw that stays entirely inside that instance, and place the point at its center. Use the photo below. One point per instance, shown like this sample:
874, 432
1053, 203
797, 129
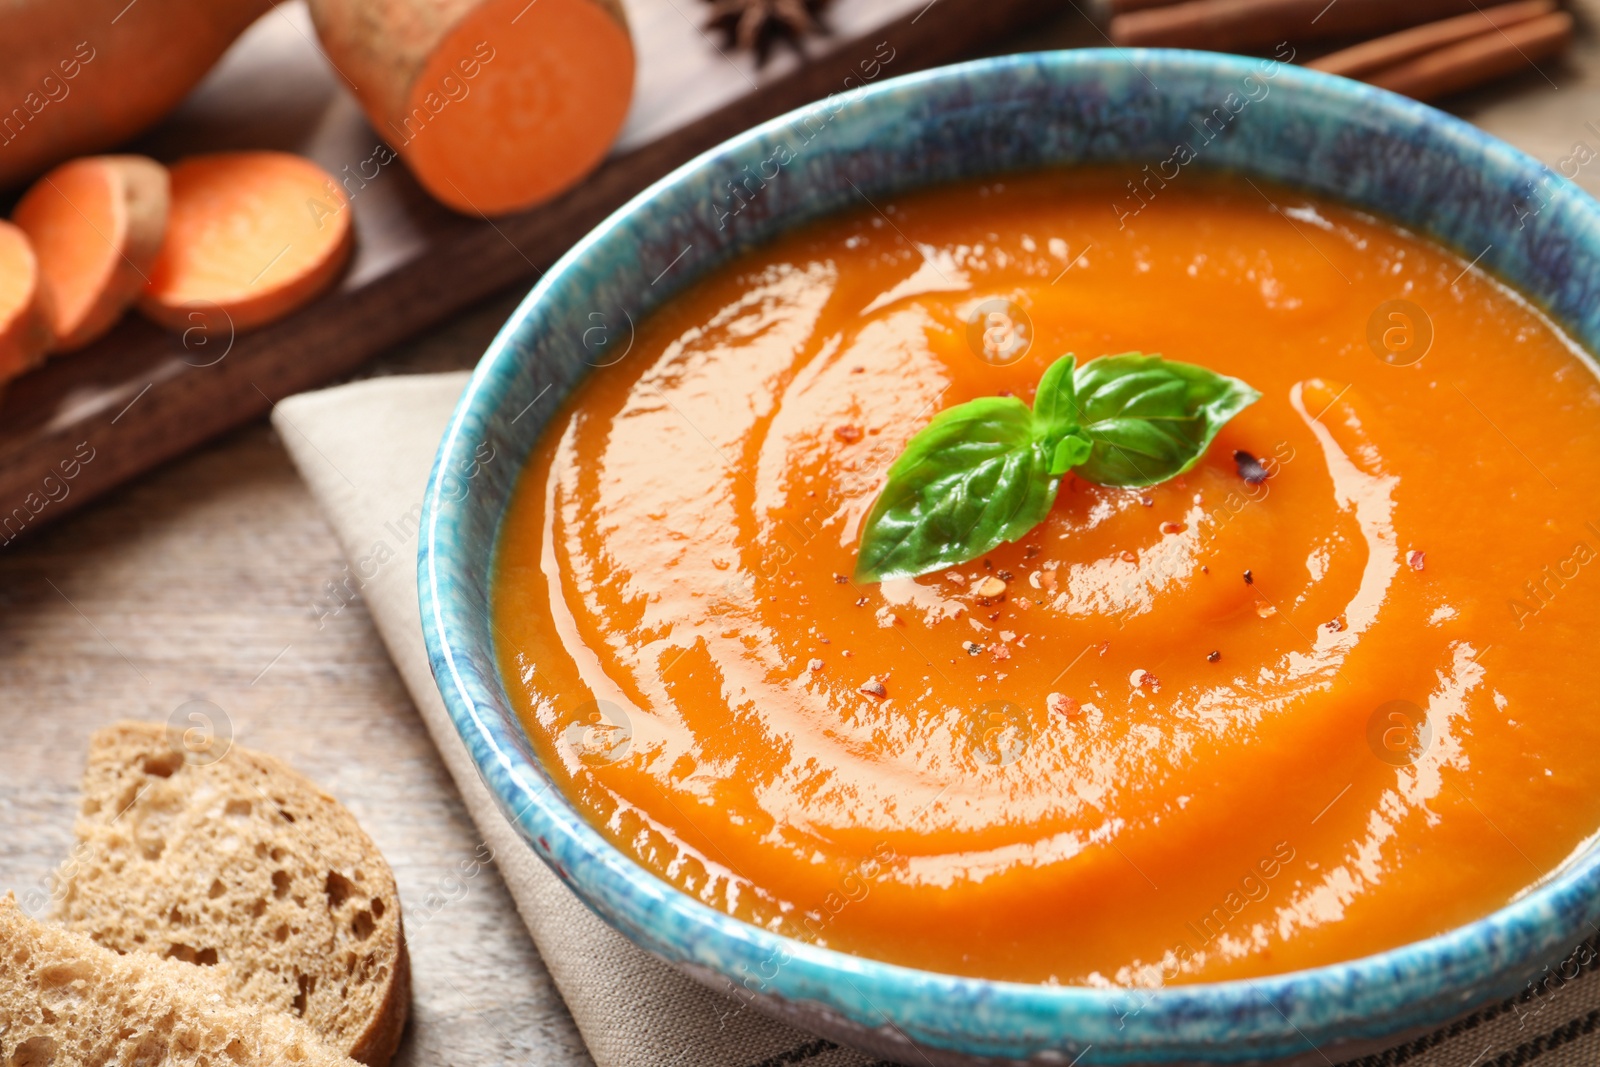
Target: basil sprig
986, 472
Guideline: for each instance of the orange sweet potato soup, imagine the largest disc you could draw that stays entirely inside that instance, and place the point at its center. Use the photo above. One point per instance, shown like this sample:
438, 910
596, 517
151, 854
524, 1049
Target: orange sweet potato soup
1328, 691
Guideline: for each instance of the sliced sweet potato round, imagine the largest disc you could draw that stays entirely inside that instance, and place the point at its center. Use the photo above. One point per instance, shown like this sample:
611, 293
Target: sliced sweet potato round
25, 316
96, 225
251, 235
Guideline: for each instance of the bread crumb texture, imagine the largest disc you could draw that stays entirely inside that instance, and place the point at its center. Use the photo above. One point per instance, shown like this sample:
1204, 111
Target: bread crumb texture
246, 869
68, 1002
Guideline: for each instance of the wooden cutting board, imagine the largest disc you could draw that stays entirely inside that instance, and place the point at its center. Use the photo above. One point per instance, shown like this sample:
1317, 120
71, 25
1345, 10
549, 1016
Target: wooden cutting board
85, 423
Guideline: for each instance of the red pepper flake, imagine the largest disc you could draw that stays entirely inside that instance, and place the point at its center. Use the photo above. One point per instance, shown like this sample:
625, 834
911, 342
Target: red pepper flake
1142, 679
1005, 392
858, 370
873, 688
1418, 560
1249, 579
1062, 705
1173, 527
999, 651
1334, 625
814, 665
1029, 551
1214, 655
1204, 569
847, 433
1105, 646
841, 578
1007, 576
1129, 557
1147, 500
861, 603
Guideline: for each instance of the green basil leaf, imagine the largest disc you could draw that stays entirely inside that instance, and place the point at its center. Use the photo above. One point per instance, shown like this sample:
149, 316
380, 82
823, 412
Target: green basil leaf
986, 472
973, 478
1149, 418
1072, 450
1055, 404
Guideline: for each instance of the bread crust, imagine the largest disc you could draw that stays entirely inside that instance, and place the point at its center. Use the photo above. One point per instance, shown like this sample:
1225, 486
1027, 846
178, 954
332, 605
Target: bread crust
378, 1045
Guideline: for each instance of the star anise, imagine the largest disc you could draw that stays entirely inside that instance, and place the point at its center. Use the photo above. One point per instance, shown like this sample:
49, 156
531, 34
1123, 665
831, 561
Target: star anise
755, 25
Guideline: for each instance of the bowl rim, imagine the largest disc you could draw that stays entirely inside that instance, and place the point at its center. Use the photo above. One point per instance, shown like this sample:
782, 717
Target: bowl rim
1463, 967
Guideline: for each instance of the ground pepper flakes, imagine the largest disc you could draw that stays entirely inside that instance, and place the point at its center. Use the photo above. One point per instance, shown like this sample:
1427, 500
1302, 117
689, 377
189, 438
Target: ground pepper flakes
1143, 679
1249, 468
1063, 705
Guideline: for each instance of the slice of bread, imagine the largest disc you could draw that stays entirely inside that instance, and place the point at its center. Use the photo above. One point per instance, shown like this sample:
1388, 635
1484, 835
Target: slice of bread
243, 864
67, 1002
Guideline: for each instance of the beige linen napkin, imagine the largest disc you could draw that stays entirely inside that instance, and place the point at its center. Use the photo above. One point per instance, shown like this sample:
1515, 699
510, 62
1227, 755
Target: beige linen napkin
365, 450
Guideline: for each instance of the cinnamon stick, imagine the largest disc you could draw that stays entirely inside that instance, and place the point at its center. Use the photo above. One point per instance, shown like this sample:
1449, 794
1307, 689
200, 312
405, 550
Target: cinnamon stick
1122, 7
1479, 59
1246, 25
1375, 55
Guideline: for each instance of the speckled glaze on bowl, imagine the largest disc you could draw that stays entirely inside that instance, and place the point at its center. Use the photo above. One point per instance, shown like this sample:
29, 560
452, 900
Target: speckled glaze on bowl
1416, 165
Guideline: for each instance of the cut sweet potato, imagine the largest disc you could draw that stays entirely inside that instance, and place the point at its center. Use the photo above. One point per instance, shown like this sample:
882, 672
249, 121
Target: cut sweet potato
24, 305
252, 235
83, 75
495, 105
96, 225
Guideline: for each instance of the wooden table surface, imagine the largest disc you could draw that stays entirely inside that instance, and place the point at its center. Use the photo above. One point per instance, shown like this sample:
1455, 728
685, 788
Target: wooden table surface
198, 582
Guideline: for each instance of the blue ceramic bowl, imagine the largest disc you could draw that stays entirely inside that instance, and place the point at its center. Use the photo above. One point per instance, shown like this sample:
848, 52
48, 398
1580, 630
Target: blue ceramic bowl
1378, 151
